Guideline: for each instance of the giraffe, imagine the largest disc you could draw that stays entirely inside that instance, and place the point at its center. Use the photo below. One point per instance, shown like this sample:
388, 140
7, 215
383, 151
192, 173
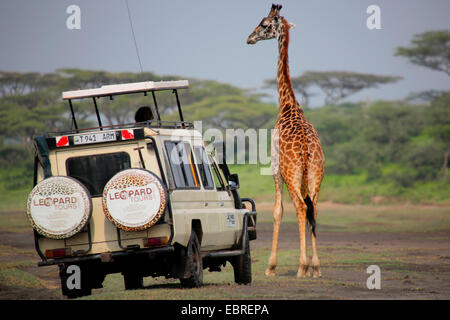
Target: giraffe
297, 157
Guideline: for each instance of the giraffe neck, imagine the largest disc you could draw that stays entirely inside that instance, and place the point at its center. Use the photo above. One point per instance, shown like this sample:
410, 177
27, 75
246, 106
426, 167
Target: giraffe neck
286, 96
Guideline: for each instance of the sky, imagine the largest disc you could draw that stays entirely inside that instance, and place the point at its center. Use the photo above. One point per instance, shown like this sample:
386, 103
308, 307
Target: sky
206, 39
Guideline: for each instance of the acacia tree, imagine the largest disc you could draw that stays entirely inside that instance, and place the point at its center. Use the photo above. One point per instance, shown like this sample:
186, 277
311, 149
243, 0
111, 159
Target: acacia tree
337, 85
439, 125
16, 83
429, 49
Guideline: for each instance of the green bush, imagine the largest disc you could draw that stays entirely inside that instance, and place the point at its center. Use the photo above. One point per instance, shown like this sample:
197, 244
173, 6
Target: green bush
16, 178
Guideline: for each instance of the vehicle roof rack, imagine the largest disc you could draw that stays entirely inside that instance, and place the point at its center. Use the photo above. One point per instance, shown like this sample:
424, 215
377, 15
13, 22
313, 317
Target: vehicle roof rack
125, 88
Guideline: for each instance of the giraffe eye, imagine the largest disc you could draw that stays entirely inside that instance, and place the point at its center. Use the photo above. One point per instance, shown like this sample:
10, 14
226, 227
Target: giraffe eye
264, 25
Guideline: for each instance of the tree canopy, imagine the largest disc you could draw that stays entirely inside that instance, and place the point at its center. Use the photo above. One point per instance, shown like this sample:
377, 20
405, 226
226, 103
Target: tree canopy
391, 142
429, 49
336, 85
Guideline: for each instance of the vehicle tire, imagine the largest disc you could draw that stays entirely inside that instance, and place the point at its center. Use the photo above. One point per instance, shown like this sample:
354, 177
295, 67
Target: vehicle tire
193, 277
56, 220
150, 209
67, 283
242, 266
133, 281
96, 279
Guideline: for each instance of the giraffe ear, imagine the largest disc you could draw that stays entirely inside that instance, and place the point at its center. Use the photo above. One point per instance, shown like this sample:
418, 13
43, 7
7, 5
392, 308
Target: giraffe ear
291, 25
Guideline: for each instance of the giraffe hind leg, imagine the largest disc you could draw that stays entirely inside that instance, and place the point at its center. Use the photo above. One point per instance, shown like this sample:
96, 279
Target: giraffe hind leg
310, 214
315, 262
301, 209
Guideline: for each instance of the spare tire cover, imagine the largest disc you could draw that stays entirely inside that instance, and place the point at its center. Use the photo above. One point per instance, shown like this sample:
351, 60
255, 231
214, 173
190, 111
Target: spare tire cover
59, 207
134, 199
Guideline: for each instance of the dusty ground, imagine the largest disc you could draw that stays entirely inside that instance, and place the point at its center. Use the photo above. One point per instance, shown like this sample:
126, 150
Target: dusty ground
414, 264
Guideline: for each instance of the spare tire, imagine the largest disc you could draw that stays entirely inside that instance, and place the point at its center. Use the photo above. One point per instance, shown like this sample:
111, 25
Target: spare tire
59, 207
134, 199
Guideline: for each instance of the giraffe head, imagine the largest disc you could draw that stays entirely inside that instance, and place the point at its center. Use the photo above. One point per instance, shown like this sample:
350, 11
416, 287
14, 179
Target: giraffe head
269, 27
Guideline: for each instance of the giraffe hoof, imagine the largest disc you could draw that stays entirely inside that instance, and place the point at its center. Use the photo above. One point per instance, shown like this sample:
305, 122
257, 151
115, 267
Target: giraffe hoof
303, 272
316, 272
306, 274
270, 272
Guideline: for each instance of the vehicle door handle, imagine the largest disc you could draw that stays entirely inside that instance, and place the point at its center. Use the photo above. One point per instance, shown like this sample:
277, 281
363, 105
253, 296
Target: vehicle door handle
222, 204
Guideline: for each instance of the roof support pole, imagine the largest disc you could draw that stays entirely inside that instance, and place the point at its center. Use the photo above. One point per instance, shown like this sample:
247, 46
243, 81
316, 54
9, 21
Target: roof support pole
156, 107
73, 115
98, 114
179, 107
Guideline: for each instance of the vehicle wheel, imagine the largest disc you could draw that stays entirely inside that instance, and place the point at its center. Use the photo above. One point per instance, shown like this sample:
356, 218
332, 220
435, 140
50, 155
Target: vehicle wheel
193, 277
242, 266
97, 279
133, 281
71, 287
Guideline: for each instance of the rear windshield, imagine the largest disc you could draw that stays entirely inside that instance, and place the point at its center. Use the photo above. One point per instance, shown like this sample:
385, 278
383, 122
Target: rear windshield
96, 170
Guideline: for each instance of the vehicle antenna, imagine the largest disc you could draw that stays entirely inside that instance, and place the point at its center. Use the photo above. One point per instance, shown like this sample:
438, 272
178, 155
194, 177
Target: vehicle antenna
134, 37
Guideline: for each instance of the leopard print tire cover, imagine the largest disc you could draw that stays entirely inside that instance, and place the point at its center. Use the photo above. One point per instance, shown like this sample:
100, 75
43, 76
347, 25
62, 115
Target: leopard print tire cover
59, 207
134, 199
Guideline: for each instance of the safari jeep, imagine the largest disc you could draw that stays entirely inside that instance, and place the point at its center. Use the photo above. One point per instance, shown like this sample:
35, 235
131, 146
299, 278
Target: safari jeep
143, 199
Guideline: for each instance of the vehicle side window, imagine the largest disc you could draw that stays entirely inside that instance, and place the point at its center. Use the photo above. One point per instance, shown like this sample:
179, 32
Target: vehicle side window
182, 164
217, 177
203, 167
95, 171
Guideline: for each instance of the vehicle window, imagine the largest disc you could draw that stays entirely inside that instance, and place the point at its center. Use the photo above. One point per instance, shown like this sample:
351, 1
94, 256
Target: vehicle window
96, 170
182, 164
217, 177
203, 167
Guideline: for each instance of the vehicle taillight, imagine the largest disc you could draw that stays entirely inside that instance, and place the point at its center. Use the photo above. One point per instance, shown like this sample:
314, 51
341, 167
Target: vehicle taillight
57, 253
156, 242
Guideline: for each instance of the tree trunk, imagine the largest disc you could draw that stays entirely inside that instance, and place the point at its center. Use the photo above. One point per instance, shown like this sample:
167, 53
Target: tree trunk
445, 164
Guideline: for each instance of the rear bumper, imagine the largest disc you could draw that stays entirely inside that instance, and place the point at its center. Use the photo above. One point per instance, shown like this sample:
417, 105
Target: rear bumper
108, 256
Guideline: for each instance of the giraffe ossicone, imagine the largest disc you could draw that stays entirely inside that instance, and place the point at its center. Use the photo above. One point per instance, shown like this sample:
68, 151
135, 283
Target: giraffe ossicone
296, 151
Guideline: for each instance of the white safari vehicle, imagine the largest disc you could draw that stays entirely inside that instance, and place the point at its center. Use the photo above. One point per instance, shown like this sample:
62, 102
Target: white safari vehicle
143, 199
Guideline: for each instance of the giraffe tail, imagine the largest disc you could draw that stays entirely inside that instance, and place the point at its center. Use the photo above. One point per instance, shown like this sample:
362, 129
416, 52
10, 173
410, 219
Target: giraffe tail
310, 214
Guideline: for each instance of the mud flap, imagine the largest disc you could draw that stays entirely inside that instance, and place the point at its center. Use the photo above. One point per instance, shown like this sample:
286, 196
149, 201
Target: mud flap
180, 269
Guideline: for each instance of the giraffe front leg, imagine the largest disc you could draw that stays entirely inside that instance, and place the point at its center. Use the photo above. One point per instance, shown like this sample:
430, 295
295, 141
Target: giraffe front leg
270, 271
277, 216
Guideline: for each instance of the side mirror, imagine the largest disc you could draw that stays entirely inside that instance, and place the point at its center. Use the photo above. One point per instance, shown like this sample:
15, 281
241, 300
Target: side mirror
233, 181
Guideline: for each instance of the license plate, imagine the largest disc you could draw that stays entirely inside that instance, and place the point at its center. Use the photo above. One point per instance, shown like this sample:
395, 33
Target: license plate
94, 138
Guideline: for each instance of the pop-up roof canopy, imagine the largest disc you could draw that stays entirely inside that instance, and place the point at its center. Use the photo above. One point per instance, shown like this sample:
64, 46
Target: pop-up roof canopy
125, 88
116, 89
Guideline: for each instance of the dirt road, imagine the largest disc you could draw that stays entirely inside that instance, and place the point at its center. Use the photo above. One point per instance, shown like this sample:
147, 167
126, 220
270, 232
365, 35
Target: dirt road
414, 265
